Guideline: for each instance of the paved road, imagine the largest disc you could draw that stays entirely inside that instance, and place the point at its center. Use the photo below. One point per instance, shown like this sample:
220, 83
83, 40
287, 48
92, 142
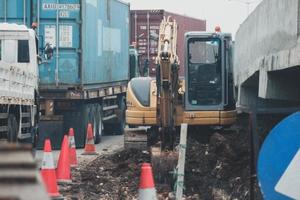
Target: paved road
108, 144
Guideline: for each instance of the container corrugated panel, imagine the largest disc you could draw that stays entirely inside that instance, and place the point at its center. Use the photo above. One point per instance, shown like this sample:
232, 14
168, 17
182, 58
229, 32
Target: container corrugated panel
65, 39
145, 29
90, 39
105, 41
15, 11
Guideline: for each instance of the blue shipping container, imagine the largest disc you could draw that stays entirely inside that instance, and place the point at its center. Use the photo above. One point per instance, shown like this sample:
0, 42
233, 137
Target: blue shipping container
90, 39
16, 11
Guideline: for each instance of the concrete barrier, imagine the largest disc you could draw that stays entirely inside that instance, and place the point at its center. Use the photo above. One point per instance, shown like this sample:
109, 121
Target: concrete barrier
267, 53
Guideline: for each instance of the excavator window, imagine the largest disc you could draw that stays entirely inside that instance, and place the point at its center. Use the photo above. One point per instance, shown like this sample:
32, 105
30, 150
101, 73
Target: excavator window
204, 52
204, 71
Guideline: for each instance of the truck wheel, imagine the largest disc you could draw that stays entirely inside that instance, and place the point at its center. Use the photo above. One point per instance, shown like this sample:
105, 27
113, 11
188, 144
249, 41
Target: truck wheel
94, 119
120, 125
12, 132
99, 124
86, 120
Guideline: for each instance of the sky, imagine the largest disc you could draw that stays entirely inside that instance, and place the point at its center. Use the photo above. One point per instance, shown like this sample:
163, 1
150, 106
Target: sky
228, 14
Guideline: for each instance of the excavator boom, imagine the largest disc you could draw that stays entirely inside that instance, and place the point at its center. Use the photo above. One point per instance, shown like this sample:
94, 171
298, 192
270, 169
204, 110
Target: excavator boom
167, 81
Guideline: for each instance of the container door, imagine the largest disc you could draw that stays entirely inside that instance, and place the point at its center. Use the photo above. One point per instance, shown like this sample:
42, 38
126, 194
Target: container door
60, 28
15, 11
145, 33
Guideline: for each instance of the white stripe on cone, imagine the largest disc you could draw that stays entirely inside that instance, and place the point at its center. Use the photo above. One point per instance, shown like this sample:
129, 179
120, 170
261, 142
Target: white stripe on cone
48, 162
90, 141
147, 194
72, 141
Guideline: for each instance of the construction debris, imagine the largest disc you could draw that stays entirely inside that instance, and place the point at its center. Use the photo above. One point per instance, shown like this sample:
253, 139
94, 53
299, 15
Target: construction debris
216, 168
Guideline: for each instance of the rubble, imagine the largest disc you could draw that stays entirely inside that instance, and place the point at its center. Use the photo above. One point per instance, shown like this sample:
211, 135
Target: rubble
217, 170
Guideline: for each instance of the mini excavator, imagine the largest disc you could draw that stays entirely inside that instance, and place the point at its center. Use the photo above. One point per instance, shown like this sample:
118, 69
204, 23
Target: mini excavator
204, 97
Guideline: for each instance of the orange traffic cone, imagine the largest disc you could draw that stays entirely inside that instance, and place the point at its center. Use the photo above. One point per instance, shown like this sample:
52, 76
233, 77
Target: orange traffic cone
48, 171
73, 157
146, 188
63, 170
89, 148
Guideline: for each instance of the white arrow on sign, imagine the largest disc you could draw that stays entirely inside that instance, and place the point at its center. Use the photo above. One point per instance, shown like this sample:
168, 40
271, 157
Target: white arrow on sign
289, 182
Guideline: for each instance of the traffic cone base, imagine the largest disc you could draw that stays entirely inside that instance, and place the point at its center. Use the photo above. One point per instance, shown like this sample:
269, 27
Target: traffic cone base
147, 194
58, 198
146, 187
60, 181
63, 171
48, 171
89, 148
52, 191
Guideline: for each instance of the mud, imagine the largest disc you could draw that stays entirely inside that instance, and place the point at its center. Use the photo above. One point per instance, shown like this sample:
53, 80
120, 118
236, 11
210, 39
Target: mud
218, 166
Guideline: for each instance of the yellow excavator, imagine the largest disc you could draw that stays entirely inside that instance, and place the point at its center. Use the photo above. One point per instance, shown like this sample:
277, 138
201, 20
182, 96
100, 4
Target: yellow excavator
203, 97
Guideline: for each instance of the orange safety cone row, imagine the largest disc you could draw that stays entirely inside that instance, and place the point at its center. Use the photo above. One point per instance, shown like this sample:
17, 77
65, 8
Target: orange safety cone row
89, 148
73, 156
146, 187
63, 170
48, 171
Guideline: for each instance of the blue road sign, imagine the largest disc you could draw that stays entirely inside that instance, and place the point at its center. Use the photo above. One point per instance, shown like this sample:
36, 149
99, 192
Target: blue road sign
279, 161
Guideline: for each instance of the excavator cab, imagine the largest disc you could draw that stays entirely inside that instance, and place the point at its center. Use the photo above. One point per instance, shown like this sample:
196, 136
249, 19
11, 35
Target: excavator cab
157, 107
208, 74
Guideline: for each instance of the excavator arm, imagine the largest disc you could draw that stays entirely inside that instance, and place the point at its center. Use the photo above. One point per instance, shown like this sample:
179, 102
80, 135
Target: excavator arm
167, 82
161, 136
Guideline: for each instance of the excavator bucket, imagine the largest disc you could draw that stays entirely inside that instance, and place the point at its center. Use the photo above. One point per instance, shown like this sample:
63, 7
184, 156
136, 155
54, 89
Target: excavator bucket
163, 164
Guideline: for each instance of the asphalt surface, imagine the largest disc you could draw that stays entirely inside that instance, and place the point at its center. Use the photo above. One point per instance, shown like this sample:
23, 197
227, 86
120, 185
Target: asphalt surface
107, 145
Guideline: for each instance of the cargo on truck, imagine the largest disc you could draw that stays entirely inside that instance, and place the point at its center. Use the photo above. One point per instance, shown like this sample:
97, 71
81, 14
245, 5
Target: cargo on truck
144, 27
85, 79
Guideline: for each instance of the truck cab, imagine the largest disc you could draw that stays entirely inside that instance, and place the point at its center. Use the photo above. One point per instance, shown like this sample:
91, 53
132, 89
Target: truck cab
18, 83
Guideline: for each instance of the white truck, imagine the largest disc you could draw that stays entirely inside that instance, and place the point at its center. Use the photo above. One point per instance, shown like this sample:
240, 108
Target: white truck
18, 83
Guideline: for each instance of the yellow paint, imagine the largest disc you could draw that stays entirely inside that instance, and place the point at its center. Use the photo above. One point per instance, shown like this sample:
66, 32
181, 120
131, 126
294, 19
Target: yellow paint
137, 114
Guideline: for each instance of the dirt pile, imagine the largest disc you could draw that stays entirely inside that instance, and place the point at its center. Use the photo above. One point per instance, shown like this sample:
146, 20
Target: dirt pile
219, 169
216, 169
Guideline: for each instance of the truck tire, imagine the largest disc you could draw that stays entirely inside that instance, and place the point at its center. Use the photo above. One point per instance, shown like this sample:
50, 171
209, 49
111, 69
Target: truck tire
86, 119
13, 128
119, 127
93, 118
99, 124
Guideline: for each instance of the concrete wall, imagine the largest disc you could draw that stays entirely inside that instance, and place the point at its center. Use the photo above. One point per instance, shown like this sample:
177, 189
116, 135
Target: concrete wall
267, 44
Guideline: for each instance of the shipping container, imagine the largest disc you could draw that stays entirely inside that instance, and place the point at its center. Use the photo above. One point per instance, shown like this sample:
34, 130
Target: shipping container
92, 42
144, 28
86, 78
16, 11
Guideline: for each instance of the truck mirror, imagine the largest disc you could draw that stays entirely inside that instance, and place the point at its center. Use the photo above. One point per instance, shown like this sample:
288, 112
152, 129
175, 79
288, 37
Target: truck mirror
48, 51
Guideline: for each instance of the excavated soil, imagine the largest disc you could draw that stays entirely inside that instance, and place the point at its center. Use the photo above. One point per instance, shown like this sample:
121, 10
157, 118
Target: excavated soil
217, 167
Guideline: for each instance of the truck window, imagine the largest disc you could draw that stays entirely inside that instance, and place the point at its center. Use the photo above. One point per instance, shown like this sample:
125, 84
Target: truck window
9, 53
23, 51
